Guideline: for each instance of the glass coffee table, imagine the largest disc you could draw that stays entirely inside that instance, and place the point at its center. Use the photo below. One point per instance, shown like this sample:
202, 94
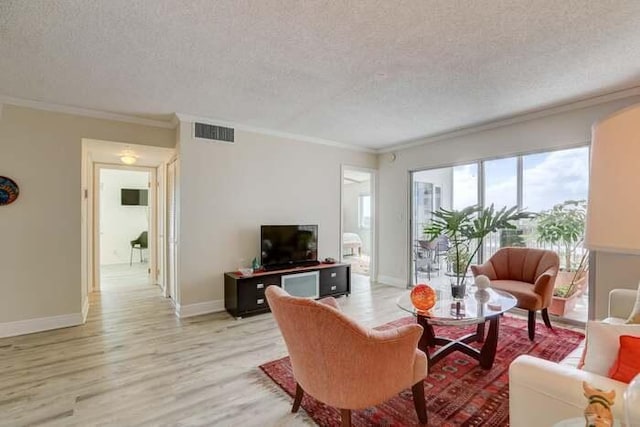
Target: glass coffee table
474, 309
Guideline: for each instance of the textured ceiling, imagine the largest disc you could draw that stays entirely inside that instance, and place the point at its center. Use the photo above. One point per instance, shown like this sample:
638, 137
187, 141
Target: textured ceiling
371, 73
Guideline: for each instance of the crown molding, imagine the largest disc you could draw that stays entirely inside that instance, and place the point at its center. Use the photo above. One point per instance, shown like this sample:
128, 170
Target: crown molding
271, 132
175, 120
178, 117
519, 118
85, 112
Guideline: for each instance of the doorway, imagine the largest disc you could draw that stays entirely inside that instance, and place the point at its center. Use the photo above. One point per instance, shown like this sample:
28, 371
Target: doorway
139, 266
125, 223
358, 219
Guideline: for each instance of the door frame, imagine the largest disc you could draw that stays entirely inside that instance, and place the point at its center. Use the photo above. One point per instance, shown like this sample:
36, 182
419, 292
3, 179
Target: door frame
373, 260
154, 202
171, 268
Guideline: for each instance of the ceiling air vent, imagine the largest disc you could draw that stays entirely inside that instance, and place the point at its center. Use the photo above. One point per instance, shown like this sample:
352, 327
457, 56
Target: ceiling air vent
213, 133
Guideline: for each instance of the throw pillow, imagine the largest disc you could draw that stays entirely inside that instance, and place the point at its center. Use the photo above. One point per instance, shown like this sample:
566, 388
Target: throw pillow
603, 341
627, 365
634, 317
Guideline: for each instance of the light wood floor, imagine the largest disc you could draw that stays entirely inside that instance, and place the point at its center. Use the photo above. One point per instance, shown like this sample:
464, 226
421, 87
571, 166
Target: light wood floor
135, 363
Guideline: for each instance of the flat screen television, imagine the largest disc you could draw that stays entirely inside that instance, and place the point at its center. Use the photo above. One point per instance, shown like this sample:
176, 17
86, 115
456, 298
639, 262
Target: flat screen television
285, 246
134, 197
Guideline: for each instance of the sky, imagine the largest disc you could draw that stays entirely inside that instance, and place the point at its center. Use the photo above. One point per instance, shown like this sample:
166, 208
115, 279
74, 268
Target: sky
548, 179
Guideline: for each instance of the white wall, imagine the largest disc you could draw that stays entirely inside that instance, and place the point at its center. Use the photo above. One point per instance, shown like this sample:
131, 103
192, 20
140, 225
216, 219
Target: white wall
120, 224
351, 224
554, 131
228, 190
614, 271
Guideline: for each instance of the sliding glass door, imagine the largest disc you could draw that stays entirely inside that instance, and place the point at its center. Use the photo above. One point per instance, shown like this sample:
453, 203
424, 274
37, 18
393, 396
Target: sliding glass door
447, 188
551, 184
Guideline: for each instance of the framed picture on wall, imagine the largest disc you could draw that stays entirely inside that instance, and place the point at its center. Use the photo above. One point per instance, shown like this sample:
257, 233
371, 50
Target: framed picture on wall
9, 191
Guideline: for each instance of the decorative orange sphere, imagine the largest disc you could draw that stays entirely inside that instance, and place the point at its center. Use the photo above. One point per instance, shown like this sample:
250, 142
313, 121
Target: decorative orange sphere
423, 297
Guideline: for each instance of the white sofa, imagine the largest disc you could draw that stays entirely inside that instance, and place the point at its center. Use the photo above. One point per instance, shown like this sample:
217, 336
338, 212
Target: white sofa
542, 393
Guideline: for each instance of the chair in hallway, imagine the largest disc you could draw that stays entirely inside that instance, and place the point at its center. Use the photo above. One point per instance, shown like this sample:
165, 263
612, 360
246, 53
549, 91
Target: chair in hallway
139, 243
528, 274
343, 364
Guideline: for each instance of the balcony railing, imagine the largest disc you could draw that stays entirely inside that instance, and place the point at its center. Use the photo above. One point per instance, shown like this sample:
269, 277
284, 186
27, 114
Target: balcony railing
525, 236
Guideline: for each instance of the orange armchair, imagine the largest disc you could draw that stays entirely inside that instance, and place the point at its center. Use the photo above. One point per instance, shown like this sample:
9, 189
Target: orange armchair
343, 364
526, 273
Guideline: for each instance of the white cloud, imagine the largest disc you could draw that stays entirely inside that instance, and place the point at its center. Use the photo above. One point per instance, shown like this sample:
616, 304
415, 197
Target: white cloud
562, 175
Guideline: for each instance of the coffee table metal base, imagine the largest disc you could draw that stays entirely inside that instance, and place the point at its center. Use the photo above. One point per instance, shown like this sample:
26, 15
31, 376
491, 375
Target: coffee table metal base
486, 355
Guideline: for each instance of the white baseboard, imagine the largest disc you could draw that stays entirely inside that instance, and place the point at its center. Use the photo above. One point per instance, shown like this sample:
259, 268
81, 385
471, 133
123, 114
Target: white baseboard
30, 326
190, 310
85, 309
392, 281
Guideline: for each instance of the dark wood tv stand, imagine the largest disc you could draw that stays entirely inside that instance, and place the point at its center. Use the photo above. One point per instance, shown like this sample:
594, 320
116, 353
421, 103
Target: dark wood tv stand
244, 296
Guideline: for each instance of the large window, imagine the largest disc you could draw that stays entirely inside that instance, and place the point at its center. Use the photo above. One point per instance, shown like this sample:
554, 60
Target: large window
534, 182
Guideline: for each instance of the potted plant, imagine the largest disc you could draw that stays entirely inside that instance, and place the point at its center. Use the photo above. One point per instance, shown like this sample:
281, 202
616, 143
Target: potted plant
563, 227
466, 230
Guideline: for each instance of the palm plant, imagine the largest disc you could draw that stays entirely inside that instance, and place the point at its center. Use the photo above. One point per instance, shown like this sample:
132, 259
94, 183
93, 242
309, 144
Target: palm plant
467, 228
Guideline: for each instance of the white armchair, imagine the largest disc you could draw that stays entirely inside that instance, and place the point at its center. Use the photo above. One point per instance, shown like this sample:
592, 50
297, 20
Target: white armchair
542, 393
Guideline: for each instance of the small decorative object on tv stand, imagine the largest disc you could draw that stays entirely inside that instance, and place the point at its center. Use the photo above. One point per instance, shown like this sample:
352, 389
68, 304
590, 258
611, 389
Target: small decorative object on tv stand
244, 296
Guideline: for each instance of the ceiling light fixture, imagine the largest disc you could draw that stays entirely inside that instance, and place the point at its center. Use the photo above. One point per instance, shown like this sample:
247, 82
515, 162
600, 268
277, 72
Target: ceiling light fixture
128, 157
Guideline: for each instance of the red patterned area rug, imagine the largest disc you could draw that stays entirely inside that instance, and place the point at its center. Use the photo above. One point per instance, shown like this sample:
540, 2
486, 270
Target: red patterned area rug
457, 390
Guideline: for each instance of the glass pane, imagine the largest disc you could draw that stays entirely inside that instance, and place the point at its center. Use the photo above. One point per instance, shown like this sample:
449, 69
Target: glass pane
453, 187
558, 178
552, 178
501, 182
465, 186
465, 190
431, 190
501, 190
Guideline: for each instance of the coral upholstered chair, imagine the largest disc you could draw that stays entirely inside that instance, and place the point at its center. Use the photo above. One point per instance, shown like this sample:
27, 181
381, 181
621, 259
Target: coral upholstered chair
343, 364
526, 273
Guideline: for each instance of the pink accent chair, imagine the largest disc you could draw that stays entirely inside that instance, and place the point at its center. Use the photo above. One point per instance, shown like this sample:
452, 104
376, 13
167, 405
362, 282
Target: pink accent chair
343, 364
526, 273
